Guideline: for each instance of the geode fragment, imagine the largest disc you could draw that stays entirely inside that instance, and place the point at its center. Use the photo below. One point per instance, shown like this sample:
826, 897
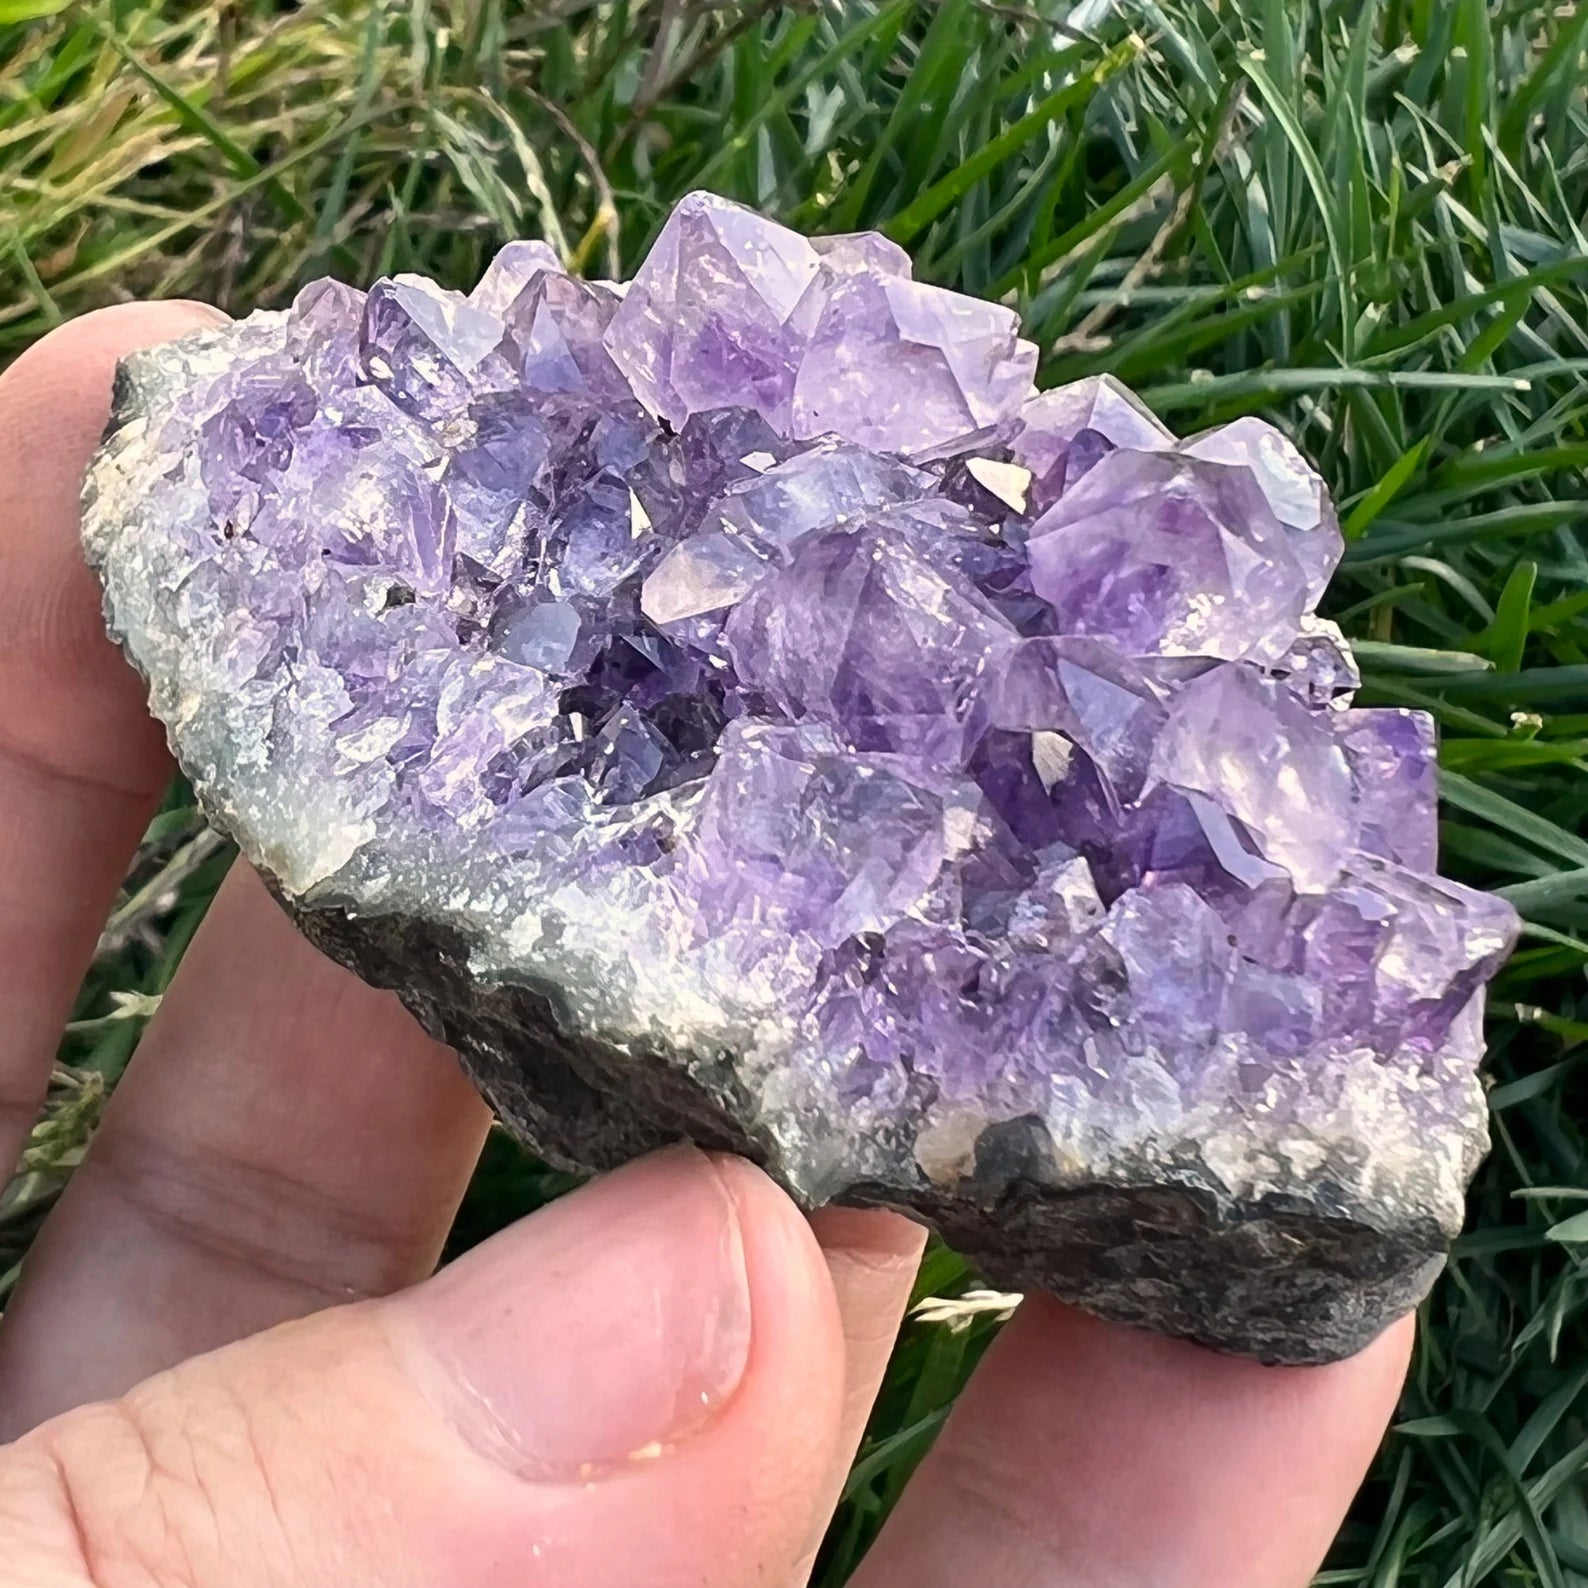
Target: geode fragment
740, 707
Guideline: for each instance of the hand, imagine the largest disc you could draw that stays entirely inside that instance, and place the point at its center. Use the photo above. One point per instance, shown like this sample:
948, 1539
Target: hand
227, 1368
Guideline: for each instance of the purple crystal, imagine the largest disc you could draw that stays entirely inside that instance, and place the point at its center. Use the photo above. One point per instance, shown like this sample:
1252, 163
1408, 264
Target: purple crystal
1171, 556
731, 310
1291, 487
902, 367
513, 269
742, 706
706, 322
1393, 754
1063, 433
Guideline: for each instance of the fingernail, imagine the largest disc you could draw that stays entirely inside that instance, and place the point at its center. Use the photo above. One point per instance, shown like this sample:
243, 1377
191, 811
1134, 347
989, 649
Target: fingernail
872, 1235
601, 1331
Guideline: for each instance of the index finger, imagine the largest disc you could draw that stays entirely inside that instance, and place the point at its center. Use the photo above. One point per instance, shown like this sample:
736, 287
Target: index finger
1085, 1455
82, 765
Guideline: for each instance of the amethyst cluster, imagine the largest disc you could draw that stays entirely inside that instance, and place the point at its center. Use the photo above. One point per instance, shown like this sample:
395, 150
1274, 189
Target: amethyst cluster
739, 705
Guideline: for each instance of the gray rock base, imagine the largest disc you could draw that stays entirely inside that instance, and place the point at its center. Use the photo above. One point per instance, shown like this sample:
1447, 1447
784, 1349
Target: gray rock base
1275, 1280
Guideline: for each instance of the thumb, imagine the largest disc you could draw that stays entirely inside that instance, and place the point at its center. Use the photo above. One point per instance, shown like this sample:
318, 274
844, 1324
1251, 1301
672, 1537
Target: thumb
640, 1384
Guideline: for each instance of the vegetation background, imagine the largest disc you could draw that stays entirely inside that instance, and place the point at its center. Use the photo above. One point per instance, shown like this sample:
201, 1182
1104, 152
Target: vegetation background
1361, 217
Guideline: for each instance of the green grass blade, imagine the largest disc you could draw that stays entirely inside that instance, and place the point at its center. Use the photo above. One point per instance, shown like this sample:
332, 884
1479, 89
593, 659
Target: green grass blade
1510, 817
908, 224
1284, 115
1507, 640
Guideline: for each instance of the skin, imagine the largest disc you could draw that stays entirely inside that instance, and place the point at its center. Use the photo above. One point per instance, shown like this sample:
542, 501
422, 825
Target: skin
661, 1378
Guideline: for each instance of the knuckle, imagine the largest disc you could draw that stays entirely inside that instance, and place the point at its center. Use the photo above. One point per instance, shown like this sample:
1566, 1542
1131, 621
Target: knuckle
76, 1496
255, 1217
144, 1493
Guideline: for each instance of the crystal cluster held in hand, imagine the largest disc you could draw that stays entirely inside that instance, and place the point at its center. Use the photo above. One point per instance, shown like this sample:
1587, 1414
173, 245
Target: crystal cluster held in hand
741, 705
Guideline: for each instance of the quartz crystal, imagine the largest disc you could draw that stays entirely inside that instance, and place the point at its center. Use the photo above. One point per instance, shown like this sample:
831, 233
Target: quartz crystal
740, 706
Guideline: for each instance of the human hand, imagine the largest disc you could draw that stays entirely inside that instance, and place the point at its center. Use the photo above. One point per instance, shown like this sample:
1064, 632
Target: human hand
226, 1367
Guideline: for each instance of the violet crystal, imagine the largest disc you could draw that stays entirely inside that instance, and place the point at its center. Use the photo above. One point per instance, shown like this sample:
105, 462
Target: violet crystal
740, 706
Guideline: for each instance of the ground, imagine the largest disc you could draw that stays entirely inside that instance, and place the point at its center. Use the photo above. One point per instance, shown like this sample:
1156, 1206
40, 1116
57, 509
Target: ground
1359, 217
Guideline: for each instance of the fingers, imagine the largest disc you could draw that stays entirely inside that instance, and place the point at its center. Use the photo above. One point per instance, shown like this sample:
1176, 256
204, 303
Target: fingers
1088, 1456
286, 1138
639, 1384
873, 1258
81, 763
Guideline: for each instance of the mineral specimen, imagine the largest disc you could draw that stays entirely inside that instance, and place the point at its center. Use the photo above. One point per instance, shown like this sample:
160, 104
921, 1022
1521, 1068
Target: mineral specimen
741, 707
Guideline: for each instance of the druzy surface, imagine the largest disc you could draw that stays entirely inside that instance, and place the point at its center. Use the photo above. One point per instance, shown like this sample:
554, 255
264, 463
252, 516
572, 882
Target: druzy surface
739, 705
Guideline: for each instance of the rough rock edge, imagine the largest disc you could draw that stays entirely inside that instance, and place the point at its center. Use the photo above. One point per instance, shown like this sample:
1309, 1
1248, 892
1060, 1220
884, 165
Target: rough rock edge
1121, 1251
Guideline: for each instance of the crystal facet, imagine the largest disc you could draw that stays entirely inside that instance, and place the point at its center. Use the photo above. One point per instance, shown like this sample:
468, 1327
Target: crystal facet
742, 707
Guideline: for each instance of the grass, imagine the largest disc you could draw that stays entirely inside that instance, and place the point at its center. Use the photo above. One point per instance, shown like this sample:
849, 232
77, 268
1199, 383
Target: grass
1362, 217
